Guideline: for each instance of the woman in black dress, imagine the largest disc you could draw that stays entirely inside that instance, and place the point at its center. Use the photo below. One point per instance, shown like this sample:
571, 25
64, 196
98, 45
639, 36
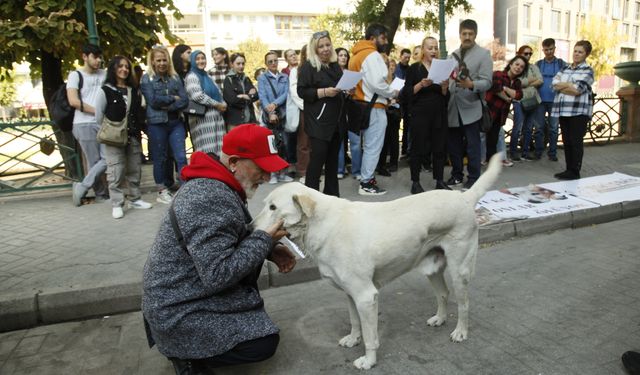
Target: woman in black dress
427, 102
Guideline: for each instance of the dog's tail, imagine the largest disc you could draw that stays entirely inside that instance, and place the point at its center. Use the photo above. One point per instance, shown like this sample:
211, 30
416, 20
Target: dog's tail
487, 179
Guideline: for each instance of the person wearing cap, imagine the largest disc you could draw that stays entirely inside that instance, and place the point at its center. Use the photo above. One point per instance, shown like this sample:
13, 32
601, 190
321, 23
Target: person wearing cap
200, 300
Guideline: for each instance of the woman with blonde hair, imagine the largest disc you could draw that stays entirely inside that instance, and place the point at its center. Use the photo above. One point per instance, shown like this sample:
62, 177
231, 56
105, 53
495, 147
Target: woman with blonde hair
323, 111
166, 98
206, 130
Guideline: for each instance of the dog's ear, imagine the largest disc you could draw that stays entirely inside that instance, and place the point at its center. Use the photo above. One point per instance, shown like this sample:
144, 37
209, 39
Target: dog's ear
305, 203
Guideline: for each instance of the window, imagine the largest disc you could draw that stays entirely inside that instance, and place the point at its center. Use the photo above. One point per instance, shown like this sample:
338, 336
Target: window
635, 34
526, 16
627, 54
252, 19
627, 9
625, 31
227, 18
585, 5
616, 10
540, 17
555, 21
637, 17
240, 19
607, 7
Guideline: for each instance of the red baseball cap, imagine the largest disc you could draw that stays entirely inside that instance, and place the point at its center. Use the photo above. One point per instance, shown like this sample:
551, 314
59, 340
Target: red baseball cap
251, 141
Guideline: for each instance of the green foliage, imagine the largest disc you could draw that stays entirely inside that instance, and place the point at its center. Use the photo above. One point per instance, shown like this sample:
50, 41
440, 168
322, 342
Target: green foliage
254, 50
7, 89
334, 22
605, 40
388, 12
30, 27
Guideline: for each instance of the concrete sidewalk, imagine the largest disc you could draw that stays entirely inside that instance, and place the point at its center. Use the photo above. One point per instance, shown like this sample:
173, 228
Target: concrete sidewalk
59, 262
561, 303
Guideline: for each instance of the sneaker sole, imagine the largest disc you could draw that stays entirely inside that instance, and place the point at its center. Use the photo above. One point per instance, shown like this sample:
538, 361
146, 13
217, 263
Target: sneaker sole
364, 192
139, 208
162, 201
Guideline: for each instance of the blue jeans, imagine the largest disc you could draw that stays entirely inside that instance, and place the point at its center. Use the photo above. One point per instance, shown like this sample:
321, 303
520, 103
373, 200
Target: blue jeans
356, 154
455, 147
373, 141
545, 109
164, 136
525, 122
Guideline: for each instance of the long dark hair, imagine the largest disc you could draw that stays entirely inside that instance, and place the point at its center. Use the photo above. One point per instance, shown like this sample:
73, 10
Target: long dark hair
112, 67
176, 58
340, 49
524, 60
224, 52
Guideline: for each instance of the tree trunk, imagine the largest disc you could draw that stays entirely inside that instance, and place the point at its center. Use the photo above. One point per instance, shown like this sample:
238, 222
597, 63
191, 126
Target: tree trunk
392, 12
51, 80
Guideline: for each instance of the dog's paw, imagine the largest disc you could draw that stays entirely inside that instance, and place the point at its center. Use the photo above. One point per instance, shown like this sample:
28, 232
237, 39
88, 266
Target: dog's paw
458, 335
363, 363
349, 341
436, 321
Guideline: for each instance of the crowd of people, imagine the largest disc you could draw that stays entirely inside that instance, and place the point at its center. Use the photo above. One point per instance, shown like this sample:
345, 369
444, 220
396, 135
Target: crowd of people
312, 121
201, 302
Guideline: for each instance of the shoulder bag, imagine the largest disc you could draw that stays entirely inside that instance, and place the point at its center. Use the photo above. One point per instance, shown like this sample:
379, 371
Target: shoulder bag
485, 122
114, 133
279, 111
359, 114
195, 109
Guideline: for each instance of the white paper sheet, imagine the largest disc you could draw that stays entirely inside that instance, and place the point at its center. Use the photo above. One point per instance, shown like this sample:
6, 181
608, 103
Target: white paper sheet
441, 69
349, 80
397, 84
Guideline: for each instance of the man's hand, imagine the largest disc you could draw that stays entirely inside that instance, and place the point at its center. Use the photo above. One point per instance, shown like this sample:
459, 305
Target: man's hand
221, 107
271, 107
276, 231
466, 83
273, 118
282, 257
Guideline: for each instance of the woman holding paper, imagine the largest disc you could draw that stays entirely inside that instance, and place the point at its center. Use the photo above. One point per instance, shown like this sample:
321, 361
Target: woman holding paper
352, 138
324, 119
427, 103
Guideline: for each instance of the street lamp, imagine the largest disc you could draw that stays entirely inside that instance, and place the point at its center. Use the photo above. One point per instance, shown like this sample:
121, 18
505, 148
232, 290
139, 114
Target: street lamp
91, 23
443, 39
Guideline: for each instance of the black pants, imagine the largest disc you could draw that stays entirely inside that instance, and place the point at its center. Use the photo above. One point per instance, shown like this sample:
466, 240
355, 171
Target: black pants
428, 137
492, 139
391, 147
251, 351
324, 153
573, 130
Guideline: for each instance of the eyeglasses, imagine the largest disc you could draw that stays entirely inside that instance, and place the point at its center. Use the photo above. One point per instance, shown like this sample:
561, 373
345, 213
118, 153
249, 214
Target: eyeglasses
527, 54
269, 62
320, 34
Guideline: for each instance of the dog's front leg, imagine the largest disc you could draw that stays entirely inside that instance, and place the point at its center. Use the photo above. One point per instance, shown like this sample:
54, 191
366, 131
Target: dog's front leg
355, 336
461, 287
367, 305
442, 294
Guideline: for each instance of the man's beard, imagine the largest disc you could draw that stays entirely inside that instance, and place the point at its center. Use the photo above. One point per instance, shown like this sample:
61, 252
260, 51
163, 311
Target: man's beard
249, 189
381, 48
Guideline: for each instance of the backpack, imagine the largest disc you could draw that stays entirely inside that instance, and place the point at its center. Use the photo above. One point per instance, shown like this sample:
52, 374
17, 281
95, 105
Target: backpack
60, 110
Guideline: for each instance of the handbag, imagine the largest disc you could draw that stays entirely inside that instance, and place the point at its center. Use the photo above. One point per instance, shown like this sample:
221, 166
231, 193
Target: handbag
280, 112
359, 114
114, 133
195, 109
486, 121
530, 99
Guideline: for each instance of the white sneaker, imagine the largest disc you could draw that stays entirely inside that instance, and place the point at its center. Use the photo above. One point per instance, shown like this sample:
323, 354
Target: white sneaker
340, 176
140, 204
274, 179
302, 179
164, 196
117, 213
284, 178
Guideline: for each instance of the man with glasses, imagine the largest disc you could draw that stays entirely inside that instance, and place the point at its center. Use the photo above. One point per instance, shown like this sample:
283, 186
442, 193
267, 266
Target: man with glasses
273, 88
549, 67
368, 61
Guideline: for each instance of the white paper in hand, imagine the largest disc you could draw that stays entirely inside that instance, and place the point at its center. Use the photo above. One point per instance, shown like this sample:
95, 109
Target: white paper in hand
348, 80
288, 243
441, 69
397, 84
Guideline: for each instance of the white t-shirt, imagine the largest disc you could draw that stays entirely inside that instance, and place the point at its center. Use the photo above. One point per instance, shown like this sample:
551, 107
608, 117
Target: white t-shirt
91, 86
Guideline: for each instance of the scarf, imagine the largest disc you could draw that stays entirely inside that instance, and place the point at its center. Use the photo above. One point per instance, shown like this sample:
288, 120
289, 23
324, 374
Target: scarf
208, 86
204, 165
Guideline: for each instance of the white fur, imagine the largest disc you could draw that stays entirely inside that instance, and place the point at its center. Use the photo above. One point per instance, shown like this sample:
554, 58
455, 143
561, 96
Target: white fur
361, 246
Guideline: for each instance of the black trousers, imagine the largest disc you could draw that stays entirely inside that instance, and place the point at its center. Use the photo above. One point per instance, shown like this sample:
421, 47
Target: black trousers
324, 153
391, 146
492, 139
428, 137
573, 130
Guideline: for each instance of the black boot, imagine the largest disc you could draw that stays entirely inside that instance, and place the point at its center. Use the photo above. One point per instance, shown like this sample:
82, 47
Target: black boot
441, 185
185, 367
416, 188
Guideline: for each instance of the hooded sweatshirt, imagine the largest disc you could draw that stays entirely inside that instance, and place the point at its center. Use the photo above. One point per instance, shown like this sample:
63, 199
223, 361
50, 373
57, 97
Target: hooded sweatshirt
367, 60
204, 165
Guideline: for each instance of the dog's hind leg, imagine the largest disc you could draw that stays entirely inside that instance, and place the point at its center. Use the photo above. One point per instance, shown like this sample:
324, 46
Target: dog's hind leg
355, 336
365, 297
461, 288
433, 266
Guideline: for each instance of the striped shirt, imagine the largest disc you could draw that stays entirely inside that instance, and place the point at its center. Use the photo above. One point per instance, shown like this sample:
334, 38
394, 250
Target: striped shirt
217, 74
565, 105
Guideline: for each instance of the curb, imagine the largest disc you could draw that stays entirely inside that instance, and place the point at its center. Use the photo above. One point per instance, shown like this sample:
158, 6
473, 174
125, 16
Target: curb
65, 304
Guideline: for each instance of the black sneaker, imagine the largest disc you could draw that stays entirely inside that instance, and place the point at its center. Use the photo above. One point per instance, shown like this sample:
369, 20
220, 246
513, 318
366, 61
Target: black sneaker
467, 185
515, 158
453, 181
382, 171
370, 188
416, 188
567, 175
441, 185
527, 157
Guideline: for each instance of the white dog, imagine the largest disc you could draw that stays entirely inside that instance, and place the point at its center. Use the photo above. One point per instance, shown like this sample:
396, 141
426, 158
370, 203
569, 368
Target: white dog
360, 246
